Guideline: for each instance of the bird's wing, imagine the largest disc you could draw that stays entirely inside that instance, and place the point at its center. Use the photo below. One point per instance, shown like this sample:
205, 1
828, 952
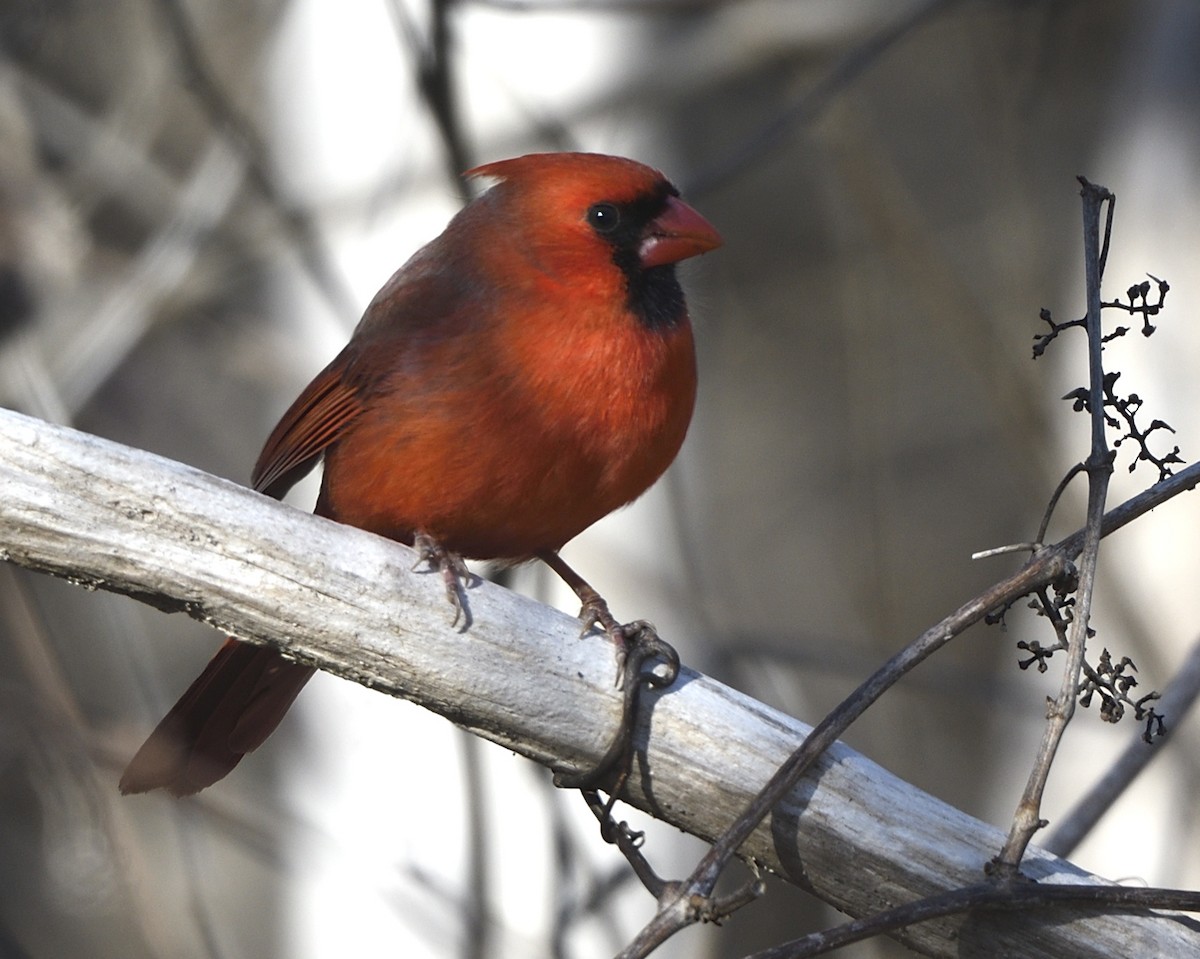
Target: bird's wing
314, 421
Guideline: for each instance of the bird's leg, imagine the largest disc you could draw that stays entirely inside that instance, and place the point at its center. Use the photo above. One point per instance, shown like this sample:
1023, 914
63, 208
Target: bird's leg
624, 636
455, 574
595, 610
637, 644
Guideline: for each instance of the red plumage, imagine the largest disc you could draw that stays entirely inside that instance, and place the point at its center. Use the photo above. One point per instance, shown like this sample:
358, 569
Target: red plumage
522, 375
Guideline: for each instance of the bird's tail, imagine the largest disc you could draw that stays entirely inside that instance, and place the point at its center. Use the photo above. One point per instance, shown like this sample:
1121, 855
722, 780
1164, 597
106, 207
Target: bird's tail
229, 710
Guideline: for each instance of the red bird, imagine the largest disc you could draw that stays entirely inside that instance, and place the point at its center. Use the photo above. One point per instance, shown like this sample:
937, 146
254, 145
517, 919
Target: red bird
524, 374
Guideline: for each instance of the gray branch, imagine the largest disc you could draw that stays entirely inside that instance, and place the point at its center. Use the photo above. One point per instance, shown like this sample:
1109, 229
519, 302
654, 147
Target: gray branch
106, 516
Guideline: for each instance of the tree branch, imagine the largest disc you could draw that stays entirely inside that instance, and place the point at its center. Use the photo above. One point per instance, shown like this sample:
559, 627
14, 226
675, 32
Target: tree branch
1027, 819
106, 516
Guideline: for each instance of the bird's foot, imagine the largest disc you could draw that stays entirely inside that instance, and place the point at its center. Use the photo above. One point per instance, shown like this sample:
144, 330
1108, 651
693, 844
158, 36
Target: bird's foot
636, 643
455, 574
637, 647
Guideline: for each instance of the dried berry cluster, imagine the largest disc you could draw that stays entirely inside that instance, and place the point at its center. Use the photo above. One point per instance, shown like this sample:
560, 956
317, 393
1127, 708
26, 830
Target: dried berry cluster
1111, 683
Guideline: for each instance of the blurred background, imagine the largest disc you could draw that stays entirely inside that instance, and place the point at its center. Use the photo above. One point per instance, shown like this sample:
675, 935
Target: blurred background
197, 199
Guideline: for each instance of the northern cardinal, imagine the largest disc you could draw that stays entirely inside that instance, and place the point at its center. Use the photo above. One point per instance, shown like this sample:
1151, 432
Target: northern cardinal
524, 374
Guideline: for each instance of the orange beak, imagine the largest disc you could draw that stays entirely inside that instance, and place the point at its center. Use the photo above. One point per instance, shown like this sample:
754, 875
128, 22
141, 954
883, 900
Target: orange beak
676, 234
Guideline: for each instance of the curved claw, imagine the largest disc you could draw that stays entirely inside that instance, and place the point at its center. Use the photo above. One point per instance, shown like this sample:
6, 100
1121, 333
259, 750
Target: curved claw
455, 574
643, 638
639, 635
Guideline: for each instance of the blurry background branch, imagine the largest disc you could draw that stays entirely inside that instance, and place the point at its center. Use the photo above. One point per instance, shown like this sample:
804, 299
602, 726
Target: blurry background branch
243, 136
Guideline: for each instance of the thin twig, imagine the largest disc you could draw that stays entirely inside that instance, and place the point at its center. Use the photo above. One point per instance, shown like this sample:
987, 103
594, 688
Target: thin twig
1055, 497
989, 896
1005, 550
1121, 516
1027, 818
1177, 699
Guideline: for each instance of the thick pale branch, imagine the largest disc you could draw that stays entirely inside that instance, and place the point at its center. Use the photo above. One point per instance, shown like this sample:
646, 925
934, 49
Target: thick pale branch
124, 520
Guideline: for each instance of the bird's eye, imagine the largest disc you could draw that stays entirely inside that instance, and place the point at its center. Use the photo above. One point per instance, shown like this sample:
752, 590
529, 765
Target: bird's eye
604, 217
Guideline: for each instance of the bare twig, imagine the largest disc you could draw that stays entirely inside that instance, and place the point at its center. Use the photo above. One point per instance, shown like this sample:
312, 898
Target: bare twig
1055, 497
991, 896
1177, 699
627, 840
1027, 818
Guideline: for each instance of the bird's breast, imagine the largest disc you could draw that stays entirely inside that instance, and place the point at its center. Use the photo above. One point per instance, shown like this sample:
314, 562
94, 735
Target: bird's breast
527, 437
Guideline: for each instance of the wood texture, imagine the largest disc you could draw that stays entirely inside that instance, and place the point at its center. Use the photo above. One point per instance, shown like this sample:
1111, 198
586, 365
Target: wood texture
106, 516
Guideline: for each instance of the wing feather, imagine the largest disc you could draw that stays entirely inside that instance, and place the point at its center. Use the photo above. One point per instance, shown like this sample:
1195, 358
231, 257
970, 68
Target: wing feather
310, 425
